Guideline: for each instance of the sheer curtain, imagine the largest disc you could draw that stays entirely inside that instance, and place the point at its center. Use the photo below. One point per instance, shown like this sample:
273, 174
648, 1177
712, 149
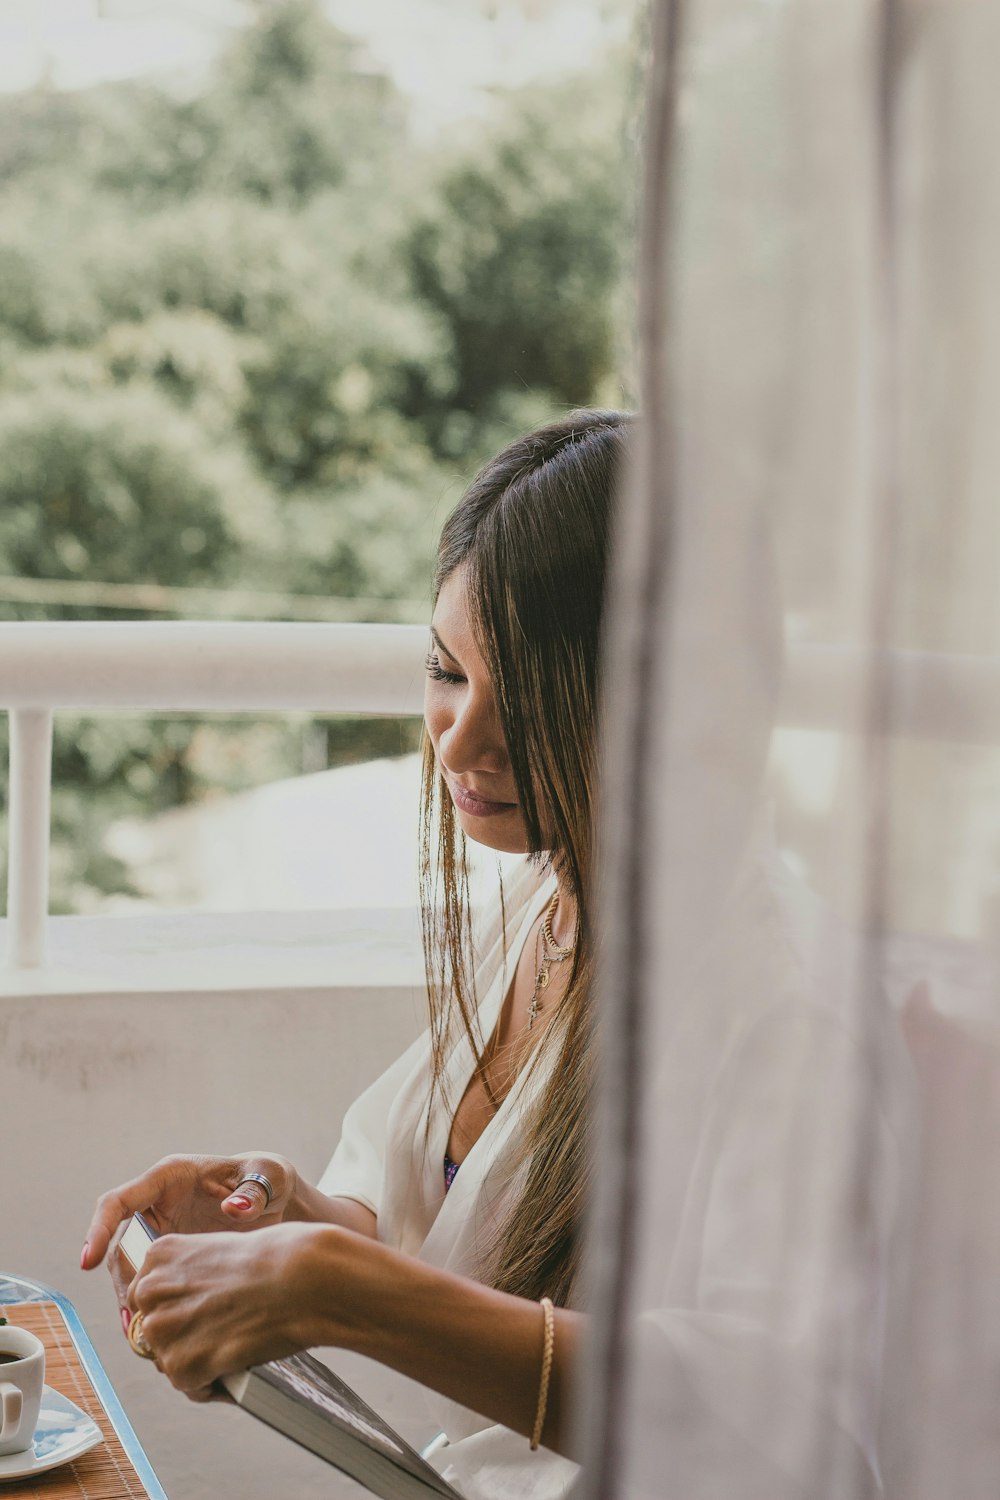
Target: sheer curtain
796, 1265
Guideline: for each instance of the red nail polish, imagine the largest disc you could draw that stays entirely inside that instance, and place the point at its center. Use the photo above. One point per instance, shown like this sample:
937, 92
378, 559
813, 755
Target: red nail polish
239, 1200
83, 1255
126, 1318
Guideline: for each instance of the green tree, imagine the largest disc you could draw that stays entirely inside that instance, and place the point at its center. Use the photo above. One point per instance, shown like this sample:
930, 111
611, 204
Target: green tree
258, 337
116, 484
523, 259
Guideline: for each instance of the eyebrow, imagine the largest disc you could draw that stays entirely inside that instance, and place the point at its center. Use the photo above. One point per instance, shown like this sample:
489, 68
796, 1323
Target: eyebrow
442, 647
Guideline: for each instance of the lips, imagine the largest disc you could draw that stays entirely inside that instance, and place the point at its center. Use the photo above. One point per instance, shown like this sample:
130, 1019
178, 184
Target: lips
475, 805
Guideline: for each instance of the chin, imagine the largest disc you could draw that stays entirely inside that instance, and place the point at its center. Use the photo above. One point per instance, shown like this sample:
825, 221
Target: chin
506, 835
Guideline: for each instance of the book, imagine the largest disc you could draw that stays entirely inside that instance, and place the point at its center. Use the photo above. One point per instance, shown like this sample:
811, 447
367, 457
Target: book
302, 1398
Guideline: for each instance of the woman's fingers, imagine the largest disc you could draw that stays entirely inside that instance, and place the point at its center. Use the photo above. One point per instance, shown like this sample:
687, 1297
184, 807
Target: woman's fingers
109, 1212
184, 1344
204, 1393
188, 1189
251, 1198
195, 1193
114, 1207
210, 1303
246, 1203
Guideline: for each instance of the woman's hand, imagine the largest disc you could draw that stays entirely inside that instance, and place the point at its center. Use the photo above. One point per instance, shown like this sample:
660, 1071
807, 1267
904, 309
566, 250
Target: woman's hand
192, 1195
215, 1304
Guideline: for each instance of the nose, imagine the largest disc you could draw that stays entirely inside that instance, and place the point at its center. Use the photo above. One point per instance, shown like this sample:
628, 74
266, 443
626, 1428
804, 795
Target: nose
473, 739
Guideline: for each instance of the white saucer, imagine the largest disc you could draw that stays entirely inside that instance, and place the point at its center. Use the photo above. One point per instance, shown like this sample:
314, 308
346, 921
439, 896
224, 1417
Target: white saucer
63, 1433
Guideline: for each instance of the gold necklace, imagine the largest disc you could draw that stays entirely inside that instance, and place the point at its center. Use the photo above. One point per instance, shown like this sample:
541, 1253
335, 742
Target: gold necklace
550, 954
550, 942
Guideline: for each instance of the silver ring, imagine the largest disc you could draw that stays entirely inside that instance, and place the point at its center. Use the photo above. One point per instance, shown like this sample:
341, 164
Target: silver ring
257, 1177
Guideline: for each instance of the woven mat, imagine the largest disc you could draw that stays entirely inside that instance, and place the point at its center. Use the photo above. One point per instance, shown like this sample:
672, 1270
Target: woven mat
105, 1473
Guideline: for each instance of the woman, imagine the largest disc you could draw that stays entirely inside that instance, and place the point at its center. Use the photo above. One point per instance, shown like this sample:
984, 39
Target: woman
447, 1223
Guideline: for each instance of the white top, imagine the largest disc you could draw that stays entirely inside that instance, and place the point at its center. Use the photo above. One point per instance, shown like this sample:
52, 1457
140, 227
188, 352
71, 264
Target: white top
743, 1282
388, 1160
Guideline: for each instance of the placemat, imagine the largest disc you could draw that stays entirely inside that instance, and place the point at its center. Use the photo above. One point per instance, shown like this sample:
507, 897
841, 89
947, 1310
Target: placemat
106, 1472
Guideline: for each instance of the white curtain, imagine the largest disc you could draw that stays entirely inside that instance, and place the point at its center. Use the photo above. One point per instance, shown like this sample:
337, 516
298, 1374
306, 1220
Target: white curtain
796, 1266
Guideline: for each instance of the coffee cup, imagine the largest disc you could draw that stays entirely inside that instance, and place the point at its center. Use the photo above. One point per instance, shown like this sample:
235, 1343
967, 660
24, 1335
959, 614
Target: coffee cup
22, 1375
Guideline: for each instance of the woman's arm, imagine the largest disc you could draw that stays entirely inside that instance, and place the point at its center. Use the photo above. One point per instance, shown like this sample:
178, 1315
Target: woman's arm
477, 1346
309, 1205
218, 1303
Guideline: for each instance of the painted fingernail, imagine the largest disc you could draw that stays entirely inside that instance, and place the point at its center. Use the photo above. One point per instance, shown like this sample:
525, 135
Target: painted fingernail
126, 1318
83, 1255
240, 1200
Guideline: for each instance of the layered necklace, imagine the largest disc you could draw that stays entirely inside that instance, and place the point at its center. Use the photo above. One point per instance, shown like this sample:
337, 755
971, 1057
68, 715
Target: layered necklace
547, 953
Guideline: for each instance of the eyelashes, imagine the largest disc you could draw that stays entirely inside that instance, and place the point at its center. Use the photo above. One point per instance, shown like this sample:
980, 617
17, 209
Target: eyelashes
438, 673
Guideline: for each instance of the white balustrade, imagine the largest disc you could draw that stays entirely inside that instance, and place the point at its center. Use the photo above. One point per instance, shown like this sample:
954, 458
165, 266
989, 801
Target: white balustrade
28, 814
351, 669
179, 666
224, 667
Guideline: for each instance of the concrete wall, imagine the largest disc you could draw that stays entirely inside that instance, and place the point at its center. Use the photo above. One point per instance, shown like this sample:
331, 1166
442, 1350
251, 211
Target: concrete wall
95, 1087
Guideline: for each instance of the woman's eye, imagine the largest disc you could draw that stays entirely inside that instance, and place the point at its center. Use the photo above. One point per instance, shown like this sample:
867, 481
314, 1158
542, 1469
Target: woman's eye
435, 670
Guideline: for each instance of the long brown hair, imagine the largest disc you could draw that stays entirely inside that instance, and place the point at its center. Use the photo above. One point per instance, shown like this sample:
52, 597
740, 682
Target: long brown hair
532, 535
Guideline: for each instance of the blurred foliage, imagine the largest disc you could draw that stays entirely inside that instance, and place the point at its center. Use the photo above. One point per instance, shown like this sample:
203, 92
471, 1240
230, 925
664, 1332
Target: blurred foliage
257, 337
519, 260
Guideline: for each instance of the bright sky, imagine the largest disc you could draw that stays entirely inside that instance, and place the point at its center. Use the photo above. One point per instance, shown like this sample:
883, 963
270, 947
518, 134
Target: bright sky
443, 53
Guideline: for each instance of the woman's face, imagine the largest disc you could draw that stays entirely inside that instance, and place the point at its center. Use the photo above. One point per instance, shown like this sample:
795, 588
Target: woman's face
460, 711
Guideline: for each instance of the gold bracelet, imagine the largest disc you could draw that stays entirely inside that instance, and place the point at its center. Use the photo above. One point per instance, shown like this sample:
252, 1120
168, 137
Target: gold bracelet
543, 1385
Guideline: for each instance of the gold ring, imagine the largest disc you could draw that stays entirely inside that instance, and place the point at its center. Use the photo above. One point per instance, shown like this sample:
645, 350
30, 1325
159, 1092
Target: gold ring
138, 1340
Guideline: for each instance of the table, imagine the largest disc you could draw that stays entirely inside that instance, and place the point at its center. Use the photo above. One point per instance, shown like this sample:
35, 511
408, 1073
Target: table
137, 1472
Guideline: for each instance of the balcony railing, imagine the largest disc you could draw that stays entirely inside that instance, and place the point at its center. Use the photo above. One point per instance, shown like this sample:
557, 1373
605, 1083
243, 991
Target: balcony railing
173, 666
351, 669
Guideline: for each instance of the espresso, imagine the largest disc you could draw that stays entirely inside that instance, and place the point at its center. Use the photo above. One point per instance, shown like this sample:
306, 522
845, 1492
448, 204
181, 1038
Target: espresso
9, 1359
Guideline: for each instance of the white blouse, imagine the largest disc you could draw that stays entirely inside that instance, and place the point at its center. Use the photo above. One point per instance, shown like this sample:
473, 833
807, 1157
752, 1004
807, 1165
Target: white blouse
746, 1282
392, 1163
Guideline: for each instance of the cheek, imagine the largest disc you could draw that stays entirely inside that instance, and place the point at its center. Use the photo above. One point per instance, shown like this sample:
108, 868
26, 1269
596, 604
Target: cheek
436, 716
